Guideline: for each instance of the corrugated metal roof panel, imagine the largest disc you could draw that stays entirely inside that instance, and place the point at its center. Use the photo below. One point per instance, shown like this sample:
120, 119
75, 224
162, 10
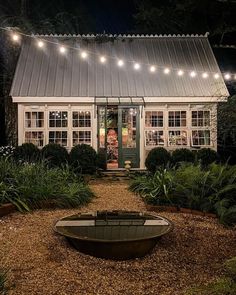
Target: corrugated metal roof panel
48, 73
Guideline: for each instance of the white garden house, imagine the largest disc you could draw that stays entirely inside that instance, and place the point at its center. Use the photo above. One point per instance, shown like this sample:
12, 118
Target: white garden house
123, 95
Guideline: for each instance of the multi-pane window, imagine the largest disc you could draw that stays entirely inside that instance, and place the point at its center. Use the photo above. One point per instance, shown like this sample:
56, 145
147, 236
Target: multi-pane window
200, 118
177, 137
154, 119
81, 119
177, 118
58, 119
59, 137
154, 137
34, 119
201, 137
35, 137
81, 137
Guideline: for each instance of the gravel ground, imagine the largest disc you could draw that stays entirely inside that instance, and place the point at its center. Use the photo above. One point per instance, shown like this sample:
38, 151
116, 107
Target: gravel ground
41, 262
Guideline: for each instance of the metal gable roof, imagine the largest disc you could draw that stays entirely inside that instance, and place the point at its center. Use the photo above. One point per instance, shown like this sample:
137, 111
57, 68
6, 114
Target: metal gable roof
47, 73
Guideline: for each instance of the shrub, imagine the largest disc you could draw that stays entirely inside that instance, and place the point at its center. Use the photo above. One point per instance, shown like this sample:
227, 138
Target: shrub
207, 156
83, 158
55, 154
27, 152
182, 155
157, 157
230, 267
102, 160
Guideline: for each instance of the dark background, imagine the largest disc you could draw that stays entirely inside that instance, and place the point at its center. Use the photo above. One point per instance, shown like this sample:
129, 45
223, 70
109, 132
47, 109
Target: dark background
218, 17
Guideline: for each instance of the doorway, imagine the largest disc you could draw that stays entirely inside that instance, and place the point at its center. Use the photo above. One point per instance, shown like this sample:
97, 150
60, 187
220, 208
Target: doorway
118, 135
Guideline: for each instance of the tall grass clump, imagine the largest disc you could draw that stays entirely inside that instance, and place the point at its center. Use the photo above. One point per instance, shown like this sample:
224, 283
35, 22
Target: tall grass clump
32, 186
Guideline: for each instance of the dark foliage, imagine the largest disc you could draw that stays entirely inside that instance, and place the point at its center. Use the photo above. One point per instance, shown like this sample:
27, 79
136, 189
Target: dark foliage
102, 160
55, 154
83, 158
27, 152
157, 157
182, 155
207, 156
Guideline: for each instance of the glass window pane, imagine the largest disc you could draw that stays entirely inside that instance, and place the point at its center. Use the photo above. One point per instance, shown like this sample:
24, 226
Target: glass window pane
129, 128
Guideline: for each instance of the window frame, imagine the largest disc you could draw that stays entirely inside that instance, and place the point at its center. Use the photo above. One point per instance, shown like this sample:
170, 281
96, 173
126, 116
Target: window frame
34, 129
84, 129
156, 128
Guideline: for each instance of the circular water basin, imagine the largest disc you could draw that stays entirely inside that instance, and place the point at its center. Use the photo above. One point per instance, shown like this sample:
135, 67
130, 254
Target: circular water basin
115, 235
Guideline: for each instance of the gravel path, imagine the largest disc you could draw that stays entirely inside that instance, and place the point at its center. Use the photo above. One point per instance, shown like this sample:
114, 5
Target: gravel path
42, 262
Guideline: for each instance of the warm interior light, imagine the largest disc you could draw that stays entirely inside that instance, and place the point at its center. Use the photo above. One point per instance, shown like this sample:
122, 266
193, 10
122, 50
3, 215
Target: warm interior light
40, 44
166, 71
84, 54
152, 69
103, 59
193, 74
216, 76
120, 63
180, 73
205, 75
62, 49
136, 66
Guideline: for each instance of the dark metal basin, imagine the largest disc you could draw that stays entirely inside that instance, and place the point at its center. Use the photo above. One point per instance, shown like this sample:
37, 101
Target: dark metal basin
115, 235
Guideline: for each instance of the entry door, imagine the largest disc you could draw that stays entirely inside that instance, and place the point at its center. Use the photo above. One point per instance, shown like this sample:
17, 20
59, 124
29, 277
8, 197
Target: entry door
128, 136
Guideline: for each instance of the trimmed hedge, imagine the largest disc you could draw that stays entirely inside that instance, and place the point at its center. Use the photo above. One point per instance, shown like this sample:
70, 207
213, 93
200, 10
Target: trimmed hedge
157, 157
55, 154
183, 155
206, 156
83, 158
27, 152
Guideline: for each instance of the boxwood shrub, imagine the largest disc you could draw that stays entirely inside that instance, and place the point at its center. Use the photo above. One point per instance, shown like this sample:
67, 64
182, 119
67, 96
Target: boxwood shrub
83, 158
55, 155
27, 152
182, 155
157, 157
207, 156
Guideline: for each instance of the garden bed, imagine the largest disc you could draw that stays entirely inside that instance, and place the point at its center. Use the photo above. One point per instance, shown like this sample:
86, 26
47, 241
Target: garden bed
42, 262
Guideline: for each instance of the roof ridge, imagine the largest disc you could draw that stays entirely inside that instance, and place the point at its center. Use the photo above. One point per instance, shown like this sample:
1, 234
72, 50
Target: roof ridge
124, 35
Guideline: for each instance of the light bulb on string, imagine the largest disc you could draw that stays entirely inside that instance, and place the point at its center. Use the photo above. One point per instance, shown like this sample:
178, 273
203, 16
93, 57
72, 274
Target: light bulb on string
103, 59
62, 49
205, 75
136, 66
120, 63
180, 73
15, 37
84, 54
40, 44
216, 76
152, 69
166, 71
193, 74
227, 76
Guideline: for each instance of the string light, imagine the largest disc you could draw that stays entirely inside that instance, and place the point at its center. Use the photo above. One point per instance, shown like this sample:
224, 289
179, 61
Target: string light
40, 44
193, 74
180, 73
103, 59
84, 54
15, 37
136, 66
227, 76
166, 71
152, 68
120, 63
62, 49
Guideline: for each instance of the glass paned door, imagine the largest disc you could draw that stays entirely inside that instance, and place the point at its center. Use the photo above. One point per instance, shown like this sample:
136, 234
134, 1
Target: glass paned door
128, 130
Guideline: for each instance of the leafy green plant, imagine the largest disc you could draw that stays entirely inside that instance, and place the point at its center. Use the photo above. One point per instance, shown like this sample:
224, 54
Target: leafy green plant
182, 155
157, 157
55, 155
83, 158
207, 156
27, 152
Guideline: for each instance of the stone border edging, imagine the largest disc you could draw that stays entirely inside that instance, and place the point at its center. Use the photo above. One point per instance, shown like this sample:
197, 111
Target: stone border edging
174, 209
6, 209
